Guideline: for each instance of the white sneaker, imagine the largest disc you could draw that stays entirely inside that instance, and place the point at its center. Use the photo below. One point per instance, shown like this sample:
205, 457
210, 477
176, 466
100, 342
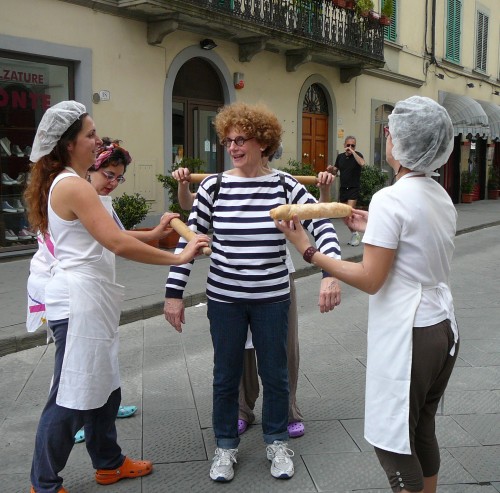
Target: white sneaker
6, 207
17, 204
355, 239
222, 464
280, 456
24, 234
7, 180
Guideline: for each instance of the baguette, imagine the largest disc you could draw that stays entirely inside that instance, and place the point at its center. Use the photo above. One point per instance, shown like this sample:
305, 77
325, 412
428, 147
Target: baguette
311, 211
186, 233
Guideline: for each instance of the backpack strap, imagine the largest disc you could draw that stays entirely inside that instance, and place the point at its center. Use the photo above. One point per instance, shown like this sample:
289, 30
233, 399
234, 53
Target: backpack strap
216, 189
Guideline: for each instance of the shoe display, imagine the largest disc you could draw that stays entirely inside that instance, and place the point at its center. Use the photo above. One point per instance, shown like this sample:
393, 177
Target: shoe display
21, 177
6, 207
5, 146
222, 464
7, 180
17, 151
24, 234
17, 204
129, 469
355, 239
280, 456
27, 151
10, 235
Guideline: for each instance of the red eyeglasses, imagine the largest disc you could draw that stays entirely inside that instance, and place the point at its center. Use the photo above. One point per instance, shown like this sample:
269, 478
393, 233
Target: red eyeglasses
386, 132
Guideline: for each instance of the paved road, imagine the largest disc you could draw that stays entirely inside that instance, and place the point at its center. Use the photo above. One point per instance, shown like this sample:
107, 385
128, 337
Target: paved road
169, 377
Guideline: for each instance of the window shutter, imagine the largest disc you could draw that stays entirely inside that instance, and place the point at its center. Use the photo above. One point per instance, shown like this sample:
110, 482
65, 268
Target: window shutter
391, 31
453, 30
481, 41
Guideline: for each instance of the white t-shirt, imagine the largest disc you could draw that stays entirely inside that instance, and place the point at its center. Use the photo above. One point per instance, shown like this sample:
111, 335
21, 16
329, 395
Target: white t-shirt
417, 218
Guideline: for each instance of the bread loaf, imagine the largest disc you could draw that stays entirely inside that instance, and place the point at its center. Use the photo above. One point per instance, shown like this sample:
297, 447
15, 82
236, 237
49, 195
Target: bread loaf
311, 211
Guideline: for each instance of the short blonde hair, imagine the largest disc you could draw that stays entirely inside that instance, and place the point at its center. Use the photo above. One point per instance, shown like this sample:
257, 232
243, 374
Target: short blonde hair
254, 121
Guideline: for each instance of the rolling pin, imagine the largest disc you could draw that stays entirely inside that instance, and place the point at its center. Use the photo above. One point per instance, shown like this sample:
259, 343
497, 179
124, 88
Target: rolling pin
305, 180
186, 233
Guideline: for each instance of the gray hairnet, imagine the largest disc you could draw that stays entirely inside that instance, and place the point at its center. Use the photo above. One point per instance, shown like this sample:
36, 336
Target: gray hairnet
422, 134
55, 121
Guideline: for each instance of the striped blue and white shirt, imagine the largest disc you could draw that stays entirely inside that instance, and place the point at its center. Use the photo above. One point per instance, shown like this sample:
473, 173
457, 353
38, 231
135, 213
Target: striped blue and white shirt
248, 252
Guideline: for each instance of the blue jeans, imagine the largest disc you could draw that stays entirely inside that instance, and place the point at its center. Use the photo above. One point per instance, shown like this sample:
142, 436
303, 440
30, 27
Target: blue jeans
229, 324
55, 435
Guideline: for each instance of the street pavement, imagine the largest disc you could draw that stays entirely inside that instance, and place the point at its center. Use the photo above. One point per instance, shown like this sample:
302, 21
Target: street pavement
168, 376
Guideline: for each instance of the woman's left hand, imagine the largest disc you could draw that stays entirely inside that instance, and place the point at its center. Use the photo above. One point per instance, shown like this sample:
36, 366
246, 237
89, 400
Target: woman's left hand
329, 294
295, 233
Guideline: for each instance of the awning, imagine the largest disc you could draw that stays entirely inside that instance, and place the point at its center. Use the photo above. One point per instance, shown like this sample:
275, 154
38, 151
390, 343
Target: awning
467, 115
492, 111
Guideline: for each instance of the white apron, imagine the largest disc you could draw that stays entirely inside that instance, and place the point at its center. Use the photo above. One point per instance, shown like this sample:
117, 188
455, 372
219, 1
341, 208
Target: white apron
90, 370
388, 373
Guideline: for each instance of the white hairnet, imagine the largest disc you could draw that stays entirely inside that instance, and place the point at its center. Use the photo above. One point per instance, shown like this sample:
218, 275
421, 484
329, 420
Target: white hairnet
55, 121
422, 134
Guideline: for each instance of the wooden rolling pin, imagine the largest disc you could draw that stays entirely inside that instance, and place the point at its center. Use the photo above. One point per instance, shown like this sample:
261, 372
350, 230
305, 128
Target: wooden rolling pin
305, 180
186, 233
311, 211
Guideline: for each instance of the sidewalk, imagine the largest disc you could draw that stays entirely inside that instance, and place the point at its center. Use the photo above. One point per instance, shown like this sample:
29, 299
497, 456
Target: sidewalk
145, 283
169, 377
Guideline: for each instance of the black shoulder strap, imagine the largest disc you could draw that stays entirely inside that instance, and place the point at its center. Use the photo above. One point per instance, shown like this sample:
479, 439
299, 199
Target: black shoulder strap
216, 189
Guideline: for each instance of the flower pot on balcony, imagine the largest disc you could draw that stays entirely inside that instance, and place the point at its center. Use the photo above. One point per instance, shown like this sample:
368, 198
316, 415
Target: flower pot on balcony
384, 20
350, 4
339, 3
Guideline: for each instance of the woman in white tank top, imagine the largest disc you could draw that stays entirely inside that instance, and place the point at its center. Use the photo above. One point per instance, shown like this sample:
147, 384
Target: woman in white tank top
82, 299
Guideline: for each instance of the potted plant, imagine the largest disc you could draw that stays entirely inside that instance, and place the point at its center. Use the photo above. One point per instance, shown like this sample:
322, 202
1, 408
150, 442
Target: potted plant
171, 185
493, 183
350, 4
467, 181
386, 12
363, 7
298, 168
371, 181
339, 3
132, 209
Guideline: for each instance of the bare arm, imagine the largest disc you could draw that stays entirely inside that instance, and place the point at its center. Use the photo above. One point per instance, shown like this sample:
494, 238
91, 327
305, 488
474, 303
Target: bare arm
358, 158
157, 233
184, 194
75, 198
325, 182
368, 275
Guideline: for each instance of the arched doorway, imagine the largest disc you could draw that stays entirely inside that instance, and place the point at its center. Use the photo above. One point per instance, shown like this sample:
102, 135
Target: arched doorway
315, 128
194, 106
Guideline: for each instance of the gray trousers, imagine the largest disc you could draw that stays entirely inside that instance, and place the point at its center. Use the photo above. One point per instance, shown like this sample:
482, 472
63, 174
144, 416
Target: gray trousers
249, 385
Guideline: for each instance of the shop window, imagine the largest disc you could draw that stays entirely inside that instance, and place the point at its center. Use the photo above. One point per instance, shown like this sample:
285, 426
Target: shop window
380, 120
27, 88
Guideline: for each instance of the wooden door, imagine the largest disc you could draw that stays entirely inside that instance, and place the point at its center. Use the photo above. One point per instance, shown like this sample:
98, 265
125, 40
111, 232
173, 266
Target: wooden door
315, 140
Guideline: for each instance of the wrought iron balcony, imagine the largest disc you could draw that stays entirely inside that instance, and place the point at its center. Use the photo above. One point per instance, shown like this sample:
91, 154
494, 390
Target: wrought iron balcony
303, 30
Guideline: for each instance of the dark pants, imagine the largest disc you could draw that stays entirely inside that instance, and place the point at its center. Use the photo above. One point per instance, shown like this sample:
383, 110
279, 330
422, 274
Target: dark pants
431, 369
228, 326
55, 436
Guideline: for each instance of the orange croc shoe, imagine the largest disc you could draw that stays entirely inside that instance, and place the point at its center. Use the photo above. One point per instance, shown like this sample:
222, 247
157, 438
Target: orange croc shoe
129, 469
62, 490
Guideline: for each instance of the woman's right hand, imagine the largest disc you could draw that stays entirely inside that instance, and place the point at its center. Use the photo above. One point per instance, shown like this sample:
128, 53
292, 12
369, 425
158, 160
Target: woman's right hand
357, 221
173, 310
182, 175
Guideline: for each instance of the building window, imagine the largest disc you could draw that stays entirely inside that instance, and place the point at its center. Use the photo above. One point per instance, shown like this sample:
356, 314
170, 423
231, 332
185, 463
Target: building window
315, 101
481, 41
453, 30
391, 31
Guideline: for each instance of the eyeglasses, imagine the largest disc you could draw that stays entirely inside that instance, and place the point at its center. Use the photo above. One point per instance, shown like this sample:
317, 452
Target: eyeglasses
239, 141
351, 145
111, 177
386, 132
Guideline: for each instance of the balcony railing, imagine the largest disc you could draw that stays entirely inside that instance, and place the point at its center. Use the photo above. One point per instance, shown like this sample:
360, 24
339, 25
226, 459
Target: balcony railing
316, 20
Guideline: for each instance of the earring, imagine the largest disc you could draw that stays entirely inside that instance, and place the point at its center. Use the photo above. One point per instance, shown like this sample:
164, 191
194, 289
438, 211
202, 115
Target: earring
88, 177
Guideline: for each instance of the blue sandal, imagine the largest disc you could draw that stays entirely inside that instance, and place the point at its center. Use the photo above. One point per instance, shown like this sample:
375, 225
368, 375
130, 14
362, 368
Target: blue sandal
80, 436
126, 411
